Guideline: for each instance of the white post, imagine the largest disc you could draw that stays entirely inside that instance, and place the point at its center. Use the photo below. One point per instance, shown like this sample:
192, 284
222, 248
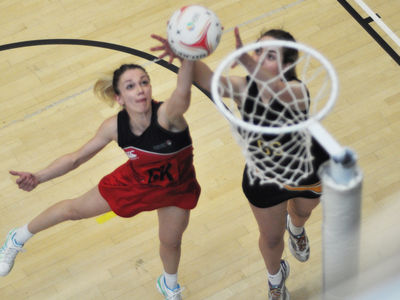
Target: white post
341, 202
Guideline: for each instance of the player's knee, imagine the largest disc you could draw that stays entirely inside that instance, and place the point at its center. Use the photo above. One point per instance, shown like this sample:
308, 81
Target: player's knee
71, 211
171, 242
271, 241
301, 213
302, 208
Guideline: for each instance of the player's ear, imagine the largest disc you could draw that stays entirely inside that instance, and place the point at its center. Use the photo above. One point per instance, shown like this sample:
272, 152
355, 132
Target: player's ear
119, 100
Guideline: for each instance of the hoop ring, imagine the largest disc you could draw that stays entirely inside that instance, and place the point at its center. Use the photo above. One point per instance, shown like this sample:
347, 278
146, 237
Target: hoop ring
227, 62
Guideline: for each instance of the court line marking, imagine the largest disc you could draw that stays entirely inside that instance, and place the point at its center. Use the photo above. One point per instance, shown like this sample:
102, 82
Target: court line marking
28, 116
379, 22
105, 217
371, 31
267, 14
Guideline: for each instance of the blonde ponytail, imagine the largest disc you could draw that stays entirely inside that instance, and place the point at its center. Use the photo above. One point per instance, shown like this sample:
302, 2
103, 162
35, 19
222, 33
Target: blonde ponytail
104, 90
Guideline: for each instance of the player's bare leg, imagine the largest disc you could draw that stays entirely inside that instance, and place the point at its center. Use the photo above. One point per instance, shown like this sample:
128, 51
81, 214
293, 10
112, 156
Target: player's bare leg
88, 205
299, 211
172, 223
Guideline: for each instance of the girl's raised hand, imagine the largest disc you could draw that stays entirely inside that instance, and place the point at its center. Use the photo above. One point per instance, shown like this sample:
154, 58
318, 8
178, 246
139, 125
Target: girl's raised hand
238, 39
245, 57
164, 47
239, 43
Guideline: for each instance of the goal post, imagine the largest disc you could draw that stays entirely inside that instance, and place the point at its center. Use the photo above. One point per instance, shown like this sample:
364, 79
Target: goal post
341, 209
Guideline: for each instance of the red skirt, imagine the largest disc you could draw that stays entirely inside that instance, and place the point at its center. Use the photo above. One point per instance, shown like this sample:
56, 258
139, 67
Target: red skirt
128, 192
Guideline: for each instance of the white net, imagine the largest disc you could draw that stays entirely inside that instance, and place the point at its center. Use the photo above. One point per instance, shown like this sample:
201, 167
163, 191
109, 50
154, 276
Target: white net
270, 114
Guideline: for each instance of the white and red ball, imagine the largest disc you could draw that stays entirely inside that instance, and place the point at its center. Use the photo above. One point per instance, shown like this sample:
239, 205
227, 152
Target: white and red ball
194, 32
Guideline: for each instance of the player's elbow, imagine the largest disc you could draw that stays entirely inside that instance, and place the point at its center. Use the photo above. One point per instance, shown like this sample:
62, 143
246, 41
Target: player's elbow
75, 160
183, 106
185, 95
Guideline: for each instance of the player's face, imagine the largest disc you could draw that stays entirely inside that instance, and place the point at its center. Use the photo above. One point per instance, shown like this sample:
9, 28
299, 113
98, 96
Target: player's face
272, 57
135, 90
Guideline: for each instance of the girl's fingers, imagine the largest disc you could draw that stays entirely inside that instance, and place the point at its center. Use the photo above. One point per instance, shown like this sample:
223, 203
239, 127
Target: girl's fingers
159, 38
15, 173
157, 48
163, 55
237, 37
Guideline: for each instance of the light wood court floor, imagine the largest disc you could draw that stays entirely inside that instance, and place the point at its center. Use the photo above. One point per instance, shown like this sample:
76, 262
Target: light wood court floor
48, 109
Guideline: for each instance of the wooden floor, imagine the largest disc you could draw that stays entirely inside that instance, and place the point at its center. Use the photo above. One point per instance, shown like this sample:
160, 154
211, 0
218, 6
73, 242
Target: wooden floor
48, 109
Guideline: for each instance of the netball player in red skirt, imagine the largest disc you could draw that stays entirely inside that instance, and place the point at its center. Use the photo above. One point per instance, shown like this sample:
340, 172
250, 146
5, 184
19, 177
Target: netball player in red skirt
159, 174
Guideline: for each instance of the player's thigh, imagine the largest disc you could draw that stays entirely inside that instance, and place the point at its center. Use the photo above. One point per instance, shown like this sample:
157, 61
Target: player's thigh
90, 204
271, 220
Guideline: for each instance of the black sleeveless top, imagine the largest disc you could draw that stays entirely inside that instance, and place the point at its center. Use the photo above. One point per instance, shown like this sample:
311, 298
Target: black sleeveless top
275, 114
154, 139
